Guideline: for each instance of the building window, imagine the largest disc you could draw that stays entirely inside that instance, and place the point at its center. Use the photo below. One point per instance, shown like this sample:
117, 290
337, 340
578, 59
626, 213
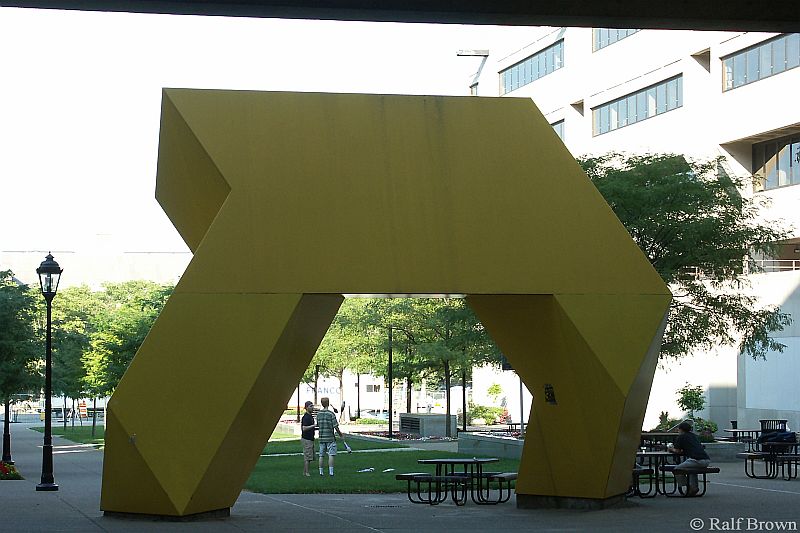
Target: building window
602, 37
559, 128
777, 162
532, 68
636, 107
373, 388
761, 61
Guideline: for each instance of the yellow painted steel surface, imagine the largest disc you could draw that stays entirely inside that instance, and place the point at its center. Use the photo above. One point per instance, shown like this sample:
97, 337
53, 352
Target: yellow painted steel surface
289, 200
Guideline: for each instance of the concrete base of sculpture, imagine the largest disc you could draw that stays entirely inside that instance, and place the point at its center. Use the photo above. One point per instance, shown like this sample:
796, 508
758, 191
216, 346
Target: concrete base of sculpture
207, 515
530, 501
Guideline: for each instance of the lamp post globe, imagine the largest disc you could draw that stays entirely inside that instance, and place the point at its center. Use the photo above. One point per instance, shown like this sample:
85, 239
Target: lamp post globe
49, 275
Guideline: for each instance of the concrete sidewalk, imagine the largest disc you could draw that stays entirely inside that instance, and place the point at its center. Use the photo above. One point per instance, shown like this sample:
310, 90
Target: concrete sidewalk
75, 507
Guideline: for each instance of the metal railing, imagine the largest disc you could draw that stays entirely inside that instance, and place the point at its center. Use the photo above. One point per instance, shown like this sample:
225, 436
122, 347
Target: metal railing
771, 265
754, 266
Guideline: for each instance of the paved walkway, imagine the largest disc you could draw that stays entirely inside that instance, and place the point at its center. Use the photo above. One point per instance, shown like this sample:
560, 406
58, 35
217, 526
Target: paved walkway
75, 507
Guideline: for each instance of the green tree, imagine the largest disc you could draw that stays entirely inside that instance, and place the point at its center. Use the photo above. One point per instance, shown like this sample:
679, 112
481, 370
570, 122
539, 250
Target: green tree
697, 230
129, 310
691, 399
19, 349
72, 329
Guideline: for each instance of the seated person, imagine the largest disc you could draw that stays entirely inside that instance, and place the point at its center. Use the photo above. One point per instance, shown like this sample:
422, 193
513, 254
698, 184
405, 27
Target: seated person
687, 443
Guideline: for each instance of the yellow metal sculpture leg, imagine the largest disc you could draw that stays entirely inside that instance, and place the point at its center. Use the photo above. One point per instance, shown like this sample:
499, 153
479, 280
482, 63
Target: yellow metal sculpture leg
581, 357
289, 200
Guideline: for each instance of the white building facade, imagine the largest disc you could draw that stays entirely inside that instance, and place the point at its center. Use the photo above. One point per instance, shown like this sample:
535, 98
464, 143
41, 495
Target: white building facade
701, 94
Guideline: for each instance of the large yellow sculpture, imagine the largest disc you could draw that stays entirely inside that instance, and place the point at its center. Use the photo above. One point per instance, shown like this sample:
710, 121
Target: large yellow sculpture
289, 200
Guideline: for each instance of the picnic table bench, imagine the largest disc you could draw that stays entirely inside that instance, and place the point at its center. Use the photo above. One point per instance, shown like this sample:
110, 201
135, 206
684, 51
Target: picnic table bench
699, 471
472, 482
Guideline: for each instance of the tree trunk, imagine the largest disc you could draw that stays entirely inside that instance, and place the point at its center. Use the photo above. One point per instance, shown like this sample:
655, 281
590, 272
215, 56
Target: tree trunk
64, 413
358, 395
94, 415
447, 398
409, 388
7, 434
342, 416
464, 399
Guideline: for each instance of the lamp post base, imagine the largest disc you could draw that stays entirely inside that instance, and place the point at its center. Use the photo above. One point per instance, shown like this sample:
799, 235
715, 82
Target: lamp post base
48, 487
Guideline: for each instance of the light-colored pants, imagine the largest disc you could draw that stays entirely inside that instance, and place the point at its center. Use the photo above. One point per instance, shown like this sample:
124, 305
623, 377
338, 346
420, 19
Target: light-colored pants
691, 463
327, 448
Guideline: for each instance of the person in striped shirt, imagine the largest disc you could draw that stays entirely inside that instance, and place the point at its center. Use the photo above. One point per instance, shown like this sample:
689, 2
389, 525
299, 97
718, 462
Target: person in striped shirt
327, 425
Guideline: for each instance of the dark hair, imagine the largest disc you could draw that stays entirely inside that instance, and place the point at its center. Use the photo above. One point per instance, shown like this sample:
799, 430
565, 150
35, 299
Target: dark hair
685, 426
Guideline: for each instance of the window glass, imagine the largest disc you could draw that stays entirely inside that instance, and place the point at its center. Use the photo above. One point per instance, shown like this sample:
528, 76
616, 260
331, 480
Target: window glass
559, 53
783, 166
604, 119
752, 66
739, 70
638, 106
779, 56
792, 50
613, 116
603, 37
559, 129
672, 94
661, 98
765, 61
622, 112
632, 108
542, 65
727, 74
651, 102
794, 160
770, 167
641, 106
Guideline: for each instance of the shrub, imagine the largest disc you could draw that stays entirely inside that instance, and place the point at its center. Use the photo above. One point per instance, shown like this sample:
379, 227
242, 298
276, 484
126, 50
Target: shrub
370, 421
8, 471
705, 429
665, 423
489, 414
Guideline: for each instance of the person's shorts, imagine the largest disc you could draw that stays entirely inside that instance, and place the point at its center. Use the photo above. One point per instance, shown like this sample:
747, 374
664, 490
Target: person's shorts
328, 448
308, 449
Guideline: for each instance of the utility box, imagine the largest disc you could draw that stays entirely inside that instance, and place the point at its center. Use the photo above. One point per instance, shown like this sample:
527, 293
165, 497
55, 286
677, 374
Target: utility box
427, 424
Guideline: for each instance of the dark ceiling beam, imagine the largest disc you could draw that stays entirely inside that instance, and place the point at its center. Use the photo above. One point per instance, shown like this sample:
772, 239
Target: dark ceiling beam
734, 15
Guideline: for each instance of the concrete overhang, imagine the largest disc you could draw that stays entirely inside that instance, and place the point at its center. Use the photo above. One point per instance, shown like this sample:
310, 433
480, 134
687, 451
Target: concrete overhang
733, 15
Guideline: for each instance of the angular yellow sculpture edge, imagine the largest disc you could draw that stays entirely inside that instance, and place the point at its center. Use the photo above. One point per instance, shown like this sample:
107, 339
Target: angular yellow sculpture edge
319, 195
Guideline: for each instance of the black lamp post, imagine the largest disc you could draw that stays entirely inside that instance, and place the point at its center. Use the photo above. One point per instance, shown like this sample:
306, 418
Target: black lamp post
391, 378
49, 276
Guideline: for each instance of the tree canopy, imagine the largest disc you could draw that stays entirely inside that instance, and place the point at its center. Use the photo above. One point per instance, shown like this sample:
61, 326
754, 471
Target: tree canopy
19, 346
697, 229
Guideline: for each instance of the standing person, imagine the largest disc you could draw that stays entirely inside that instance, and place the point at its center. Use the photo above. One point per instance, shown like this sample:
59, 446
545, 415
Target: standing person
687, 443
342, 416
327, 424
307, 428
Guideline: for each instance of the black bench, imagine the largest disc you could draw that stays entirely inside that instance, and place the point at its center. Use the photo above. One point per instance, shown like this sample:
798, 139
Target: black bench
416, 477
750, 458
699, 471
635, 488
503, 479
788, 463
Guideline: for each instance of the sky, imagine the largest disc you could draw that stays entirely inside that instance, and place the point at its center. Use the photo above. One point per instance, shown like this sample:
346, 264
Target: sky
80, 96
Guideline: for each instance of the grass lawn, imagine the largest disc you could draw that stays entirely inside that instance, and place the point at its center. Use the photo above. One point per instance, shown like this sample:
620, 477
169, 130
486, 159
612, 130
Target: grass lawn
293, 445
81, 434
284, 475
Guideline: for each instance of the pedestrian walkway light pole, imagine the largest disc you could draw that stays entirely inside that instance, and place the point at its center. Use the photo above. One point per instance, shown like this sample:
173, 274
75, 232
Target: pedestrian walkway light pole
49, 275
390, 382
